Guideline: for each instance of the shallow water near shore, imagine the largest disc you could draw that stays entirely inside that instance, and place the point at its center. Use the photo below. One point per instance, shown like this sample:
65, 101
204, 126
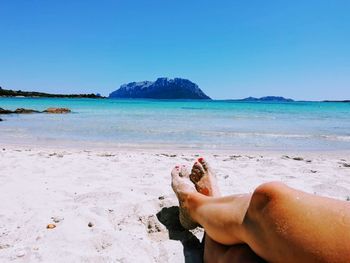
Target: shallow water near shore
180, 124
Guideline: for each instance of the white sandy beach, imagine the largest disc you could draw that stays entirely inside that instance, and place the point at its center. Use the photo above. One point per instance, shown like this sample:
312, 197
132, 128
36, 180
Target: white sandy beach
127, 198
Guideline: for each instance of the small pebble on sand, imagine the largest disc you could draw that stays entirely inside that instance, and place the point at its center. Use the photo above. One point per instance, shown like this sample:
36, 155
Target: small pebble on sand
50, 226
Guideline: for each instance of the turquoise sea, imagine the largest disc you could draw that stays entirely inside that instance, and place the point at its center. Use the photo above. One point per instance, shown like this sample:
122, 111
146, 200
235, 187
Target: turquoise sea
188, 124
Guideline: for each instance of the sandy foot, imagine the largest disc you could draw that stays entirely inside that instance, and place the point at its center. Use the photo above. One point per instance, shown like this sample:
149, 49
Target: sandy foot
182, 186
204, 178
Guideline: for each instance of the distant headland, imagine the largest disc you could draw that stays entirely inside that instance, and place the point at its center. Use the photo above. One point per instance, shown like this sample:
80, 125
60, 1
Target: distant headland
266, 99
162, 88
344, 101
19, 93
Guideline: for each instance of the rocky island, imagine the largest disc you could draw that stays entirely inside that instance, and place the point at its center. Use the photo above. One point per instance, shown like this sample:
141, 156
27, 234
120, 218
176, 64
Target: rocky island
162, 88
266, 99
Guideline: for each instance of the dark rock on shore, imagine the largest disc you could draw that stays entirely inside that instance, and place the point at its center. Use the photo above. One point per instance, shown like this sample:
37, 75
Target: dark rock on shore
27, 111
57, 110
1, 119
162, 88
3, 111
18, 111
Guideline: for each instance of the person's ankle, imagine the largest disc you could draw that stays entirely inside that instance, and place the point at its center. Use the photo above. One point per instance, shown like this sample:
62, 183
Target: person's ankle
192, 201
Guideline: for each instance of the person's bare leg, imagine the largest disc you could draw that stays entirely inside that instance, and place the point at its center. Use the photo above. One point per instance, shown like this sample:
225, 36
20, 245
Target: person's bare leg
299, 226
240, 253
279, 223
206, 183
183, 187
194, 205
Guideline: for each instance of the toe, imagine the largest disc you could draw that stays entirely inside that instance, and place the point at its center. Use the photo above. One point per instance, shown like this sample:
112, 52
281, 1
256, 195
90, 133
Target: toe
184, 171
199, 166
204, 163
176, 171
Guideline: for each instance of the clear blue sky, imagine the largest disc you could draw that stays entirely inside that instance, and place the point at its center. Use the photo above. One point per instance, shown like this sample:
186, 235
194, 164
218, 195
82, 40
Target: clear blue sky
232, 49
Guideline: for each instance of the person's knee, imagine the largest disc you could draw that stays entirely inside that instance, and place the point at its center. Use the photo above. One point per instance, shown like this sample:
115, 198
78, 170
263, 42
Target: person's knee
270, 189
267, 196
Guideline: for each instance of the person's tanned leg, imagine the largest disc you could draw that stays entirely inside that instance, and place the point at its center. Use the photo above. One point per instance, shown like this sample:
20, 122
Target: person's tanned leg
280, 224
218, 253
300, 226
205, 182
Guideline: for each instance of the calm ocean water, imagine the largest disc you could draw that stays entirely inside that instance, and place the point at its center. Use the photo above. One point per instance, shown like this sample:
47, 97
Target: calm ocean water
193, 124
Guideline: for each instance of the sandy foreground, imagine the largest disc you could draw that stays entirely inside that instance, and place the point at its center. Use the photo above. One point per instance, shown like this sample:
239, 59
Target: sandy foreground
118, 206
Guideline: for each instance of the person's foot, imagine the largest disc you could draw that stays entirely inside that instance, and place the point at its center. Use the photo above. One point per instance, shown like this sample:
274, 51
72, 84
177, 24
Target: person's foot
182, 187
204, 179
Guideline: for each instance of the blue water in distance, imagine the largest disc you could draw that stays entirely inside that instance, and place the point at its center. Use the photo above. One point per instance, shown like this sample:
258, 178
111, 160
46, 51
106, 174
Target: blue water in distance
192, 124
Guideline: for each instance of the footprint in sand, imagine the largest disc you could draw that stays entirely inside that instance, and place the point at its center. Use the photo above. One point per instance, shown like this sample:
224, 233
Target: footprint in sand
154, 228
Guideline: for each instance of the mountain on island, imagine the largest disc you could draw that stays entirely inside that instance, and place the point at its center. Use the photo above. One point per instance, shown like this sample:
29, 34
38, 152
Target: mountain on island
267, 99
162, 88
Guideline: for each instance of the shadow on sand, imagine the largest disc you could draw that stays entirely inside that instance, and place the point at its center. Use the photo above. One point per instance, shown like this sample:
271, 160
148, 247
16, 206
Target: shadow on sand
192, 247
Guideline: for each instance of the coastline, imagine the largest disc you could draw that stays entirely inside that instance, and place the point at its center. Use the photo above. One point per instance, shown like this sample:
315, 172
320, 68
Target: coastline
167, 148
125, 194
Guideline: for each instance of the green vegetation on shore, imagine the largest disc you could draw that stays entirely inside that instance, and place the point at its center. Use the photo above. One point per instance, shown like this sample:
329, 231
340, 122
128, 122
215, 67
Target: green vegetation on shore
15, 93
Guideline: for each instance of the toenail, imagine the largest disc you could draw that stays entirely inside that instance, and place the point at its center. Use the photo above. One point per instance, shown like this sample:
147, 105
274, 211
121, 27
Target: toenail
205, 191
200, 159
177, 167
